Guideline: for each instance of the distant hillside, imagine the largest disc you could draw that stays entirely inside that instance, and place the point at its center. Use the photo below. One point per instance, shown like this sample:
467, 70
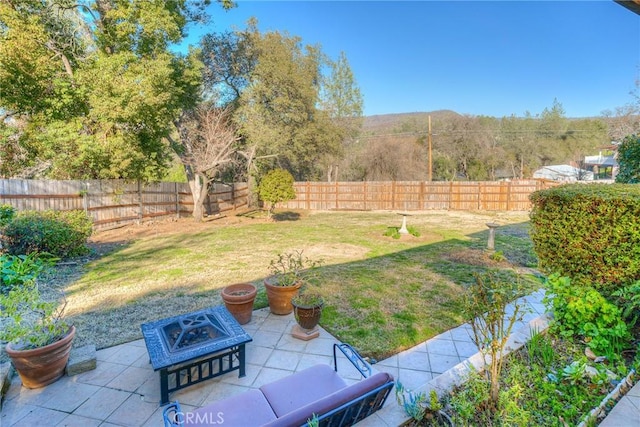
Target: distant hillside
385, 123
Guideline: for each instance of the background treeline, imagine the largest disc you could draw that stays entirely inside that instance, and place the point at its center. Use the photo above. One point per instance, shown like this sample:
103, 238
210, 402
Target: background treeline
108, 89
395, 146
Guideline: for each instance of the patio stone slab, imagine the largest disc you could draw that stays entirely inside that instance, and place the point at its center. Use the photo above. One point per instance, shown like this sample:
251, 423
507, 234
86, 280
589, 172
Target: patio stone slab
102, 403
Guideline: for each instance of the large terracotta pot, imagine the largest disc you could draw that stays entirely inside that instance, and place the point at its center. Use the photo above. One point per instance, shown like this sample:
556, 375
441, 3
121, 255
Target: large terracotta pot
279, 297
238, 298
42, 366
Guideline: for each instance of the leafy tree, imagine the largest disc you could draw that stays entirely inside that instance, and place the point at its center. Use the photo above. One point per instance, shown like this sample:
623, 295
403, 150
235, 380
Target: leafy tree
94, 87
276, 187
629, 160
342, 100
277, 113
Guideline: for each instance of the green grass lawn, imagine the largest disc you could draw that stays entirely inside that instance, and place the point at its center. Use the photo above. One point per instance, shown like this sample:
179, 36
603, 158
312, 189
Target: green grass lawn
382, 295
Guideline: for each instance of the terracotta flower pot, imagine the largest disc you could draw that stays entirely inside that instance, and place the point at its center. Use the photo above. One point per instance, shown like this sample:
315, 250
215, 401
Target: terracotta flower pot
307, 317
238, 298
279, 297
42, 366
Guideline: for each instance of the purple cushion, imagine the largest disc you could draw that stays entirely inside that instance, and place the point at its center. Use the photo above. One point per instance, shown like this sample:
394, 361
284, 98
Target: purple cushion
300, 415
302, 388
246, 409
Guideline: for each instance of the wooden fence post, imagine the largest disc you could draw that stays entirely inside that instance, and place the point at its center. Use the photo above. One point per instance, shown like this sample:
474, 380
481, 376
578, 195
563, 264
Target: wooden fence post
393, 194
450, 194
140, 206
177, 194
85, 197
364, 191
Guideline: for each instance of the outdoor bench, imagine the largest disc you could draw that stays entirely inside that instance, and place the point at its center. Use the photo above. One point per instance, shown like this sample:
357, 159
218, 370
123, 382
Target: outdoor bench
294, 400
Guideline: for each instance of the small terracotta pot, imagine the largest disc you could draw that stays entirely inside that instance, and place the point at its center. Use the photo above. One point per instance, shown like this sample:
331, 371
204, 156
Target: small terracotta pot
42, 366
279, 297
239, 298
307, 317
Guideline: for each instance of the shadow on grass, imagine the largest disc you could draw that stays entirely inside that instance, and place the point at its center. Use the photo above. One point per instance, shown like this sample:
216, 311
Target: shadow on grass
286, 216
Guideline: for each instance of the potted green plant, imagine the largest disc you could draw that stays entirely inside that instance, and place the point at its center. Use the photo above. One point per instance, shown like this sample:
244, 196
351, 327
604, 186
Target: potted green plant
289, 271
38, 338
307, 309
239, 298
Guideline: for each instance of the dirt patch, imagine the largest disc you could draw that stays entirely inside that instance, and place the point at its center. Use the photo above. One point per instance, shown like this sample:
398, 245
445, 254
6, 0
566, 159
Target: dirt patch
477, 258
335, 251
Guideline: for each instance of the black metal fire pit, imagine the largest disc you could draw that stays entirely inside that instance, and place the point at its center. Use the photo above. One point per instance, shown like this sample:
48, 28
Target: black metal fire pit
194, 347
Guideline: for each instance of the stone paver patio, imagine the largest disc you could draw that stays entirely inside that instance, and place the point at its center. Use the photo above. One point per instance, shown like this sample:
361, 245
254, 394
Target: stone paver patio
124, 390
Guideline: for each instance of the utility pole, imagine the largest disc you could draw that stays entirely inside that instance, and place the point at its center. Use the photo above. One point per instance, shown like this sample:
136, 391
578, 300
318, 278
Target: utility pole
430, 160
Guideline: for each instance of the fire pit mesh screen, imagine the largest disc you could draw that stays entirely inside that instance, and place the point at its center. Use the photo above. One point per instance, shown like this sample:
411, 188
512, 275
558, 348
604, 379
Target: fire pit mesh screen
192, 331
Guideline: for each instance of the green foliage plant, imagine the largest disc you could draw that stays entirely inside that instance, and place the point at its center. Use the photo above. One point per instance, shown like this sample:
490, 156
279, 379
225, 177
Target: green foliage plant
7, 212
498, 256
590, 233
28, 321
60, 233
314, 421
486, 310
585, 312
20, 270
416, 405
629, 160
539, 348
290, 268
308, 299
627, 299
394, 232
534, 392
276, 187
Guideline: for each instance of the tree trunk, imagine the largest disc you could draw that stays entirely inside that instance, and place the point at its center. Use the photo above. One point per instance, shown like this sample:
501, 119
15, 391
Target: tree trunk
199, 186
495, 379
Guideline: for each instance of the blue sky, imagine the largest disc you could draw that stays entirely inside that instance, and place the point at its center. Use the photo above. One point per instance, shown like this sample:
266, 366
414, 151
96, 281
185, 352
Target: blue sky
492, 58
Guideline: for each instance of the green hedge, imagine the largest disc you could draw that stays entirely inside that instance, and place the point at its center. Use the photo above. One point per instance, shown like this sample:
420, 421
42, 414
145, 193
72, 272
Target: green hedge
60, 233
590, 233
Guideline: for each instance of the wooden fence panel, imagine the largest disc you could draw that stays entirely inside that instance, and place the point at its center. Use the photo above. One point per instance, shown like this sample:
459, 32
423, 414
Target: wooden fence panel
416, 195
114, 202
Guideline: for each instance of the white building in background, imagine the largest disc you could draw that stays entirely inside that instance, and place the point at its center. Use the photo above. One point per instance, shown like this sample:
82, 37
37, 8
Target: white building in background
603, 167
563, 173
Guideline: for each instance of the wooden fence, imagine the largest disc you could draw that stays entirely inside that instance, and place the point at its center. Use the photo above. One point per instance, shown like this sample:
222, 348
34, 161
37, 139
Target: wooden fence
111, 203
417, 195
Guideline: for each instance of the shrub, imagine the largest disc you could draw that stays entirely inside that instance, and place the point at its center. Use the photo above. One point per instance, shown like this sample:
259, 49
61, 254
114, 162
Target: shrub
19, 270
60, 233
276, 187
629, 160
486, 309
7, 212
583, 311
590, 233
628, 300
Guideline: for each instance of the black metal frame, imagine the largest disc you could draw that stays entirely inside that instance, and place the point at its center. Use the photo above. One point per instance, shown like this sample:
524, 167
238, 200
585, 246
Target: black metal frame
354, 357
183, 375
356, 410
